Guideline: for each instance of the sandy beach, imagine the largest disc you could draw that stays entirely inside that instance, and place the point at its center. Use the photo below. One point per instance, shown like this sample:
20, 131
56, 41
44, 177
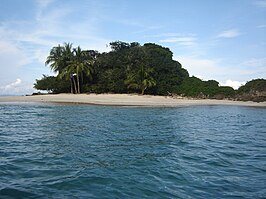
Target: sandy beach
124, 100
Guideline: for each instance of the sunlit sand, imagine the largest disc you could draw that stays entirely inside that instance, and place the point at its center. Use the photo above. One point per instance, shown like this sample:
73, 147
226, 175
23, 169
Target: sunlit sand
125, 100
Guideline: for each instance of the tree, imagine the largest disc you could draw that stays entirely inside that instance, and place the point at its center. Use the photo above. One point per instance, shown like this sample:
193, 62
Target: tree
58, 60
55, 59
141, 79
52, 84
67, 56
254, 90
78, 65
114, 69
129, 67
195, 87
119, 45
71, 64
253, 86
167, 72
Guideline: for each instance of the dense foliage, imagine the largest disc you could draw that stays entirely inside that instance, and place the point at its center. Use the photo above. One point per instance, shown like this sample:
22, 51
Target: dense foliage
131, 68
195, 87
254, 90
52, 84
70, 64
256, 85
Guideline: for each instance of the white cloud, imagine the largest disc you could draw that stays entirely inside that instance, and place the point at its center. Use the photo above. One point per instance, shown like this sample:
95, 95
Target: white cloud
229, 34
185, 41
199, 67
11, 58
221, 71
43, 3
14, 84
254, 68
24, 45
255, 62
260, 3
41, 6
17, 87
172, 34
234, 84
167, 35
178, 39
10, 87
261, 26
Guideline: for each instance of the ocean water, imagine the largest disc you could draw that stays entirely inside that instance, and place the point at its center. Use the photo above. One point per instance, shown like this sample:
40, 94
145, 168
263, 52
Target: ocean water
55, 151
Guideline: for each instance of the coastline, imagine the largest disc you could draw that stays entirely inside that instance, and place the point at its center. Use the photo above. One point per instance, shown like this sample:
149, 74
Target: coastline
124, 100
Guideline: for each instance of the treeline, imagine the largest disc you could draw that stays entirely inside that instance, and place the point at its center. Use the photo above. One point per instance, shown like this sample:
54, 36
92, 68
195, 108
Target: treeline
254, 90
127, 68
195, 87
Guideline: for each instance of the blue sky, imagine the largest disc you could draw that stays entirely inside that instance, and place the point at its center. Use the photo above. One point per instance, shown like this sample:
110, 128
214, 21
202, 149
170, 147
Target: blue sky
222, 40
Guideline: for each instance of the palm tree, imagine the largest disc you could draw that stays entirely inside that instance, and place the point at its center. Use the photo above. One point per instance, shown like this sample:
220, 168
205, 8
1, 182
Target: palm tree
140, 80
82, 65
69, 73
68, 55
59, 58
55, 58
71, 64
79, 65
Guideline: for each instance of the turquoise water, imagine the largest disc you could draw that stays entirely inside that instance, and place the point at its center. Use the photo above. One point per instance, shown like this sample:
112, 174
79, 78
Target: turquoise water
49, 151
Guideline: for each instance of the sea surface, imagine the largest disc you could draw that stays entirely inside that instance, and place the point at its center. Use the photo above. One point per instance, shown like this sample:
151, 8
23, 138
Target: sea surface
66, 151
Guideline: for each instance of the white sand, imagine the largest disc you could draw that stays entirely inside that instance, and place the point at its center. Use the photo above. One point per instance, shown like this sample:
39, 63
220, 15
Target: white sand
125, 100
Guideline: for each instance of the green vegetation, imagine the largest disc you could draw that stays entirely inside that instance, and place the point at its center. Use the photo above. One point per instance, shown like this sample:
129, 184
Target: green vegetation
194, 87
52, 84
254, 90
256, 85
127, 68
70, 64
131, 68
140, 79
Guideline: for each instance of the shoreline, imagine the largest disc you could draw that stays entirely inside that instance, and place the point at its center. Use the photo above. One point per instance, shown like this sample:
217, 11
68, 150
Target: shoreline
124, 100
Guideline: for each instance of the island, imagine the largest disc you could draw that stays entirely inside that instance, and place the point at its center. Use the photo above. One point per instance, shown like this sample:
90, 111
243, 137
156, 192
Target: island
132, 75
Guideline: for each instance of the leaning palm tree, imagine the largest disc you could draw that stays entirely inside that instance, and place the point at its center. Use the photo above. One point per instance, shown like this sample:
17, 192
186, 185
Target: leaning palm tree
59, 56
140, 80
55, 59
67, 53
58, 60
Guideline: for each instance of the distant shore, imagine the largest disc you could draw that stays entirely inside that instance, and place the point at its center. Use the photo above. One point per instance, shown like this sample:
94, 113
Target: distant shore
125, 100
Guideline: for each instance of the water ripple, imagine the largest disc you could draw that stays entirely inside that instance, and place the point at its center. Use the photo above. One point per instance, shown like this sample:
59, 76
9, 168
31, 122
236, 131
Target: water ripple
119, 152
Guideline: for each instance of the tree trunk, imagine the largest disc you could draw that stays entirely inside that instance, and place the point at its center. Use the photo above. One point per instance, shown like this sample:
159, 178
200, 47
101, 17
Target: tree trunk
78, 83
75, 86
143, 90
71, 85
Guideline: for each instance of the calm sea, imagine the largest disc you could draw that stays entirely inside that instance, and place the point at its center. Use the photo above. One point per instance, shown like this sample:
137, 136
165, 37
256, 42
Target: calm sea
52, 151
